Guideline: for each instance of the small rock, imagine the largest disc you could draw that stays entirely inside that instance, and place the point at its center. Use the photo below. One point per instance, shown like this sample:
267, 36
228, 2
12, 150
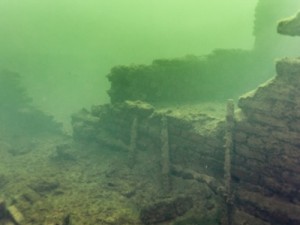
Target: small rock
15, 214
42, 187
166, 210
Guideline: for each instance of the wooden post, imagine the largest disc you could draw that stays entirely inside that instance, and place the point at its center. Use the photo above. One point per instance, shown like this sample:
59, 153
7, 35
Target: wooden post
132, 146
165, 157
227, 160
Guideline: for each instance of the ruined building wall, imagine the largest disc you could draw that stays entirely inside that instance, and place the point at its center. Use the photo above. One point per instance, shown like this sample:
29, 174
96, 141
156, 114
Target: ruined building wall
169, 148
187, 79
265, 161
190, 147
267, 150
197, 78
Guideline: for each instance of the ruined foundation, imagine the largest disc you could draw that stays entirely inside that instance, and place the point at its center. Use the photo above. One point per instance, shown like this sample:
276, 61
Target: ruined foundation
264, 164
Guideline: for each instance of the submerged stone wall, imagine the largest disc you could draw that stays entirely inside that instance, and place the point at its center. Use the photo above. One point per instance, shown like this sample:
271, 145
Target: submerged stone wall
188, 79
194, 141
174, 147
265, 161
266, 166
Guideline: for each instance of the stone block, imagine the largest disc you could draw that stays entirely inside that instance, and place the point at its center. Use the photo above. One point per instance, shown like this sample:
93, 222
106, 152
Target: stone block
290, 150
165, 210
249, 153
266, 119
288, 67
240, 137
285, 162
294, 125
255, 142
270, 209
287, 136
259, 104
15, 214
252, 128
140, 108
243, 218
246, 174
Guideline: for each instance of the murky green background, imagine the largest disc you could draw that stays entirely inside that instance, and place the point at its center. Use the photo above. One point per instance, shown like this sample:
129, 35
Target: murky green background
64, 48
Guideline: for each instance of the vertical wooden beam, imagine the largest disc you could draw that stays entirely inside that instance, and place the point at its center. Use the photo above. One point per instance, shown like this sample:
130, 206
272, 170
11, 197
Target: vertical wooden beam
165, 155
228, 144
132, 146
227, 160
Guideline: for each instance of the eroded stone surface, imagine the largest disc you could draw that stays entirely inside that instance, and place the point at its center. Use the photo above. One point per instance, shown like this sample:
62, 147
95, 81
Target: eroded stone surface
290, 26
267, 148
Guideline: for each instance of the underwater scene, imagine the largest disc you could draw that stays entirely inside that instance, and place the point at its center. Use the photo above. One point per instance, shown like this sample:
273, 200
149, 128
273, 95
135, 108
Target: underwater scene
150, 112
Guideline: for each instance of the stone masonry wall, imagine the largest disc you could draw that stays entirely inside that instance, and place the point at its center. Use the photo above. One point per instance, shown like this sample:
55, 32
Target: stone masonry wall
192, 140
190, 145
266, 161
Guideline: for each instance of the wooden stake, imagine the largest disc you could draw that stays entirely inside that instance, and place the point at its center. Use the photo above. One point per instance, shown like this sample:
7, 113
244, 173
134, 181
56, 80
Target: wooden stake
165, 156
227, 159
132, 146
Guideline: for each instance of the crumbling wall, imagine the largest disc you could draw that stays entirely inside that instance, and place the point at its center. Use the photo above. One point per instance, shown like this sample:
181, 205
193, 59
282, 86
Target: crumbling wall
265, 160
267, 150
173, 147
197, 78
265, 163
188, 79
191, 145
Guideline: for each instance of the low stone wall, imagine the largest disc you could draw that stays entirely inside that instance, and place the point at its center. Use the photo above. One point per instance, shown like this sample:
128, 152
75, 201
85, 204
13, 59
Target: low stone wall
194, 140
174, 149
